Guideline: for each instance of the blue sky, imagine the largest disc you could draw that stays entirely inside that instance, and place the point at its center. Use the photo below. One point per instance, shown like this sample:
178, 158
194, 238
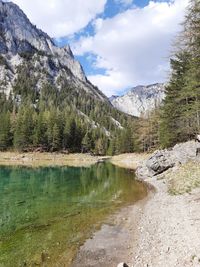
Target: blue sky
120, 43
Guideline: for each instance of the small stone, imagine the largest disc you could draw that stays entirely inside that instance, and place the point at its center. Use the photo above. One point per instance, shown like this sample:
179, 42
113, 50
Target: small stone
122, 264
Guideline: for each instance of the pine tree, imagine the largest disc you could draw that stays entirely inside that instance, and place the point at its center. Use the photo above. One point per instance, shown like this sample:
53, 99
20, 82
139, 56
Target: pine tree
39, 136
180, 119
87, 142
23, 135
171, 127
5, 131
112, 147
56, 138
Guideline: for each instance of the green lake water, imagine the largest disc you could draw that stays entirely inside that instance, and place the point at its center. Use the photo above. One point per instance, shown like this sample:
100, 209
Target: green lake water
47, 213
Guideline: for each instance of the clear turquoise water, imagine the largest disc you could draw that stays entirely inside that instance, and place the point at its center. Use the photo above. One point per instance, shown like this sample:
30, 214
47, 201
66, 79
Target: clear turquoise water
47, 213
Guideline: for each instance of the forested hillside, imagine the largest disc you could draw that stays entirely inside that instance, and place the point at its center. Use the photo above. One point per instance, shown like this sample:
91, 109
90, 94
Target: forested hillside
66, 120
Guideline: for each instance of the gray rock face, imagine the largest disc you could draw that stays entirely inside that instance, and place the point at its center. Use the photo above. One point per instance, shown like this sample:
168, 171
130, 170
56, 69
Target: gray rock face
163, 160
160, 161
140, 100
18, 37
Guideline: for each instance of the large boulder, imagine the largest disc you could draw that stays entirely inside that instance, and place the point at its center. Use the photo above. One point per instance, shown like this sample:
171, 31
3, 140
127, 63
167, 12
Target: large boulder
159, 162
162, 160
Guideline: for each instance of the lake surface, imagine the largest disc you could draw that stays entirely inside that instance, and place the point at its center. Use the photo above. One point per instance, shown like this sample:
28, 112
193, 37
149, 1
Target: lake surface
47, 213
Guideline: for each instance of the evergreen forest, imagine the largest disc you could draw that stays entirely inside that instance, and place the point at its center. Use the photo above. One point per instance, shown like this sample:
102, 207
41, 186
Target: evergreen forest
64, 119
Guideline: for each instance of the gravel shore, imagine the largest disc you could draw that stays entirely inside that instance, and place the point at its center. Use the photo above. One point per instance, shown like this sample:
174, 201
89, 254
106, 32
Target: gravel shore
168, 233
162, 230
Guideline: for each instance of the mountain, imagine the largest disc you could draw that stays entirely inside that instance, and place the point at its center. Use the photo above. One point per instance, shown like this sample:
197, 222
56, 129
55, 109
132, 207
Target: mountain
140, 99
22, 42
113, 97
46, 100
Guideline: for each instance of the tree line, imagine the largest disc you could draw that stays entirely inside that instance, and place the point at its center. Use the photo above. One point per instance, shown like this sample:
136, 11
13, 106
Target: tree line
178, 118
180, 115
67, 120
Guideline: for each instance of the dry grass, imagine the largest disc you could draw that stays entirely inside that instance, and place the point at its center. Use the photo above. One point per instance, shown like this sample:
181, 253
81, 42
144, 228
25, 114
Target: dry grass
184, 178
129, 160
47, 159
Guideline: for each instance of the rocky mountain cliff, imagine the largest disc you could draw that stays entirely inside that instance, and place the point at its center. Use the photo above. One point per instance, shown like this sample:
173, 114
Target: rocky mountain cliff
22, 44
139, 100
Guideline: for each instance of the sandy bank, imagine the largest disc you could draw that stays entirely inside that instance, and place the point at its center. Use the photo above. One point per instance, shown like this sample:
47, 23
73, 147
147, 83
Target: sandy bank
130, 161
48, 159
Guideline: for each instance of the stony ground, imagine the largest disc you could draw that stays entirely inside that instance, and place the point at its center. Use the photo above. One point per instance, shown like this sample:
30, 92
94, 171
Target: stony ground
161, 231
169, 230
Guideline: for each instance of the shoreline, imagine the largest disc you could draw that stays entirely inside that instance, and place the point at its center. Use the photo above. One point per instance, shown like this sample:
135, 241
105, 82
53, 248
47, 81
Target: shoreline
168, 230
36, 159
115, 241
161, 230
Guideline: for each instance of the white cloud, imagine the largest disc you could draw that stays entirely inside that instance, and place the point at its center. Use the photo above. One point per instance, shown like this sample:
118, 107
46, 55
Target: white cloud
61, 17
134, 46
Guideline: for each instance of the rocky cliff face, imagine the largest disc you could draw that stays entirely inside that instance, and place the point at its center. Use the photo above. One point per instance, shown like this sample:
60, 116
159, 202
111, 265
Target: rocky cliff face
140, 100
22, 42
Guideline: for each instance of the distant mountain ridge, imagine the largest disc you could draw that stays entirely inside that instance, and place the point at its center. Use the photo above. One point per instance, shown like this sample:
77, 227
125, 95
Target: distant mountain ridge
140, 99
21, 41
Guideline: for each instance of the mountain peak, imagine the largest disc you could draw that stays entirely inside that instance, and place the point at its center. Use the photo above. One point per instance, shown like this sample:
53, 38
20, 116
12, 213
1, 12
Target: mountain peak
20, 39
140, 99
